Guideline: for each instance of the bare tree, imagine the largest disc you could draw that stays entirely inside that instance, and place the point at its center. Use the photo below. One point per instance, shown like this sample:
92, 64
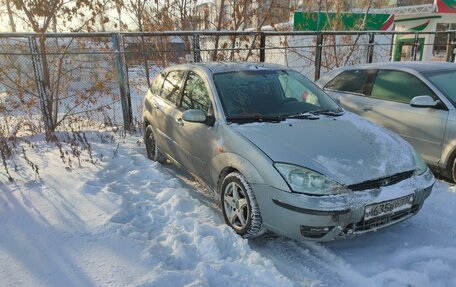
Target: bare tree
119, 5
241, 15
42, 16
137, 10
155, 17
219, 27
339, 50
10, 15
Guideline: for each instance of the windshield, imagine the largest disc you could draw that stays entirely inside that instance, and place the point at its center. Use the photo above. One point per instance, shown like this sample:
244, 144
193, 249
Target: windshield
264, 94
444, 81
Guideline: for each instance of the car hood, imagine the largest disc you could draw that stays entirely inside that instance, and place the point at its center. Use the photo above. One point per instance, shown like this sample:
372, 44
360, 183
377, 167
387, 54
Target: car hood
347, 149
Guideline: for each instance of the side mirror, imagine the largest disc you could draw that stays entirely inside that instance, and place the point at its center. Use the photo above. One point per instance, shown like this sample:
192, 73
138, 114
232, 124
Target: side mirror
194, 116
423, 102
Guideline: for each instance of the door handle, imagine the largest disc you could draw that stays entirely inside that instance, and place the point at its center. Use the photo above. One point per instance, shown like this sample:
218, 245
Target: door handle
157, 106
366, 109
179, 121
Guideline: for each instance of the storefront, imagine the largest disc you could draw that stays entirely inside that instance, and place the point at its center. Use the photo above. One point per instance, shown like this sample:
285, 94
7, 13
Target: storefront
429, 47
441, 16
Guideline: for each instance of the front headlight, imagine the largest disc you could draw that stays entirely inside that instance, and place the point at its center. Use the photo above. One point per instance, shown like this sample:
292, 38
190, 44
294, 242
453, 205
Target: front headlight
307, 181
421, 165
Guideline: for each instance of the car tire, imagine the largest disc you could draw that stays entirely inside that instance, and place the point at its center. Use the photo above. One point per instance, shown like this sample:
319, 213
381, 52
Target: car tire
151, 146
451, 174
239, 207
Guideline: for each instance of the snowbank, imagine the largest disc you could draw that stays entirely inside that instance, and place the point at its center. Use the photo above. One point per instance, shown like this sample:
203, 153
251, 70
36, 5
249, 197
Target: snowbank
130, 222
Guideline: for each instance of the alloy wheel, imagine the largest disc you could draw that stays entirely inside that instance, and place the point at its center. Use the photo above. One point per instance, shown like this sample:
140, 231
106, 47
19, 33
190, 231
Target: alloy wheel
236, 206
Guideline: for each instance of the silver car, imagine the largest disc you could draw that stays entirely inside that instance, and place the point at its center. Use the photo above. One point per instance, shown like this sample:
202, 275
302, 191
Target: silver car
280, 153
416, 100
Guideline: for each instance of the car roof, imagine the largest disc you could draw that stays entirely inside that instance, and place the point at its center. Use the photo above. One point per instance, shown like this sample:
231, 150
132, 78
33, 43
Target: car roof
223, 67
421, 67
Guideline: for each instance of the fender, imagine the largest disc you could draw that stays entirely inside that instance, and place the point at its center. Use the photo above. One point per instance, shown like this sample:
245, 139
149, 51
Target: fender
244, 166
449, 143
232, 160
448, 153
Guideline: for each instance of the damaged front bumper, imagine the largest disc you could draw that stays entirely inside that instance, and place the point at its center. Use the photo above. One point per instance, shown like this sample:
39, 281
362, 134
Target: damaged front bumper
325, 218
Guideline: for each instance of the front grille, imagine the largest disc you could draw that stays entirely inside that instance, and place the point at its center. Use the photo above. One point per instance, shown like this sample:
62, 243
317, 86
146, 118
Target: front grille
380, 221
384, 181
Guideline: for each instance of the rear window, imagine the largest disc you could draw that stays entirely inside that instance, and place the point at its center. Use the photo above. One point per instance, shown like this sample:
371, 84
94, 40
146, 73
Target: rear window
352, 81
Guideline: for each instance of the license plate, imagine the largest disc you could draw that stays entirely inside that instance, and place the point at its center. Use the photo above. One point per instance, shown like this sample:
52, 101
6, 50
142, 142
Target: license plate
388, 207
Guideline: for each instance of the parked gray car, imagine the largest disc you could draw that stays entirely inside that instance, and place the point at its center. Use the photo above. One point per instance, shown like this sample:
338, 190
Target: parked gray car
413, 99
280, 153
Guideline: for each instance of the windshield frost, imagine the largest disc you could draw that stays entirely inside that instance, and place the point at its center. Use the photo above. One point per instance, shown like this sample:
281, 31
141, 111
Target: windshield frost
270, 93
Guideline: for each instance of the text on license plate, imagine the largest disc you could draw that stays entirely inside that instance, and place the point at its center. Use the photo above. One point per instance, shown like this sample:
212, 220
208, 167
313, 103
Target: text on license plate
388, 207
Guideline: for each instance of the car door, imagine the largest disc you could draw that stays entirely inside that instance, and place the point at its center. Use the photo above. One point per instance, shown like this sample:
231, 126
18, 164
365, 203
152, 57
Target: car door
350, 87
197, 141
389, 106
166, 111
151, 105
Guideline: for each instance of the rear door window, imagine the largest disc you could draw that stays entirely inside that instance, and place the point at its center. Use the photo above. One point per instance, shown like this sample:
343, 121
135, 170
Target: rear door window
353, 81
399, 86
172, 86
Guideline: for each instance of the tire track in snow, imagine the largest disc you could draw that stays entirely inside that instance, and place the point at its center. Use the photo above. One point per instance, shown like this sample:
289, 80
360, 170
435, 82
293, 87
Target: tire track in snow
185, 241
302, 260
184, 223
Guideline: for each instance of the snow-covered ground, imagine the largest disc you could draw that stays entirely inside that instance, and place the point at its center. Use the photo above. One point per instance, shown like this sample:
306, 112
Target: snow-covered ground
126, 221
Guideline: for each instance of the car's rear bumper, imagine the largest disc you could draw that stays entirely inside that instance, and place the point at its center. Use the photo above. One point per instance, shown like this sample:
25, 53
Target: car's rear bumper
325, 218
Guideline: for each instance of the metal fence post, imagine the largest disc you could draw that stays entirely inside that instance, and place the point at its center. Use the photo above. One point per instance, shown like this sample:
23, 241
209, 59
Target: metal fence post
391, 48
122, 72
370, 48
38, 71
318, 50
123, 55
415, 46
451, 41
453, 58
262, 47
196, 49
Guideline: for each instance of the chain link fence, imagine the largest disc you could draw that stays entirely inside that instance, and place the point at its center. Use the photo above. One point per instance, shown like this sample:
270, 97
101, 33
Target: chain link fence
99, 79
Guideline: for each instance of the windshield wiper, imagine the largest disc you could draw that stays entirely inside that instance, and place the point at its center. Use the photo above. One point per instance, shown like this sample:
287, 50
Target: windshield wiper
334, 113
312, 115
305, 116
248, 118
